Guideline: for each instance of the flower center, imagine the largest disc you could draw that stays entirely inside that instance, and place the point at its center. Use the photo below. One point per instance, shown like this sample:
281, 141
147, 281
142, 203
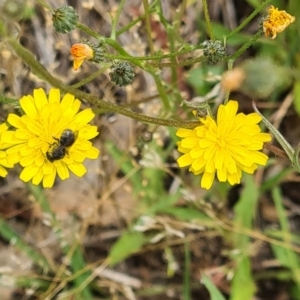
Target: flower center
221, 143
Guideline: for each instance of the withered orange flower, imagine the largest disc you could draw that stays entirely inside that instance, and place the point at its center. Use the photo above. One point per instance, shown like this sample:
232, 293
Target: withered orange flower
276, 22
81, 52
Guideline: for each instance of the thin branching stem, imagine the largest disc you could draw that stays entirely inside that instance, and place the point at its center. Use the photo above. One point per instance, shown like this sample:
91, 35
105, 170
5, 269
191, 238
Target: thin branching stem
40, 71
116, 19
207, 19
148, 26
240, 51
248, 19
46, 5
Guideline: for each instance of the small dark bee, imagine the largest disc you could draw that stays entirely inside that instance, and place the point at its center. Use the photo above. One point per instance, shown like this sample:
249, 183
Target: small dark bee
59, 149
67, 138
56, 153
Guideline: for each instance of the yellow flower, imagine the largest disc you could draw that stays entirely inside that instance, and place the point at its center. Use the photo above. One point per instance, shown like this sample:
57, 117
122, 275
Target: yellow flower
81, 52
51, 138
276, 22
3, 155
225, 147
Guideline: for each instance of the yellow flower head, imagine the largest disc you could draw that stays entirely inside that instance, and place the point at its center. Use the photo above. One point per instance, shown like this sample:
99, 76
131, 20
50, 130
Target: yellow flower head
3, 155
81, 52
225, 147
276, 22
51, 138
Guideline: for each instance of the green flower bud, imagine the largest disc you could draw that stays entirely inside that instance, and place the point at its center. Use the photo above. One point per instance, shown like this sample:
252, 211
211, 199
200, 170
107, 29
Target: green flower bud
99, 51
122, 73
64, 19
213, 51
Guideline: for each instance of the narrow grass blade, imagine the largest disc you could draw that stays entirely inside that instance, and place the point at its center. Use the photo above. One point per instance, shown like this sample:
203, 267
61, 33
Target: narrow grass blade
7, 233
214, 293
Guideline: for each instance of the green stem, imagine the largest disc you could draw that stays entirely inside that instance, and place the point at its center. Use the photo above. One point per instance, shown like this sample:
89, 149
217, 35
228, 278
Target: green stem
248, 19
239, 52
123, 54
30, 60
4, 99
102, 39
137, 20
148, 26
150, 57
171, 38
93, 76
207, 19
179, 64
40, 71
135, 60
227, 94
117, 47
187, 272
162, 92
116, 19
90, 32
131, 24
46, 5
179, 16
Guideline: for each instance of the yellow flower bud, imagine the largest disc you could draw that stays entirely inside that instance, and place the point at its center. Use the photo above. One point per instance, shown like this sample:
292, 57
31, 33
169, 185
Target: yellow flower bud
81, 52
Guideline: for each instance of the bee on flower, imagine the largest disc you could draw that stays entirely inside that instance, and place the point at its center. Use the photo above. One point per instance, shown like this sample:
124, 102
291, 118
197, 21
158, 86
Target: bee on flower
276, 21
51, 138
224, 147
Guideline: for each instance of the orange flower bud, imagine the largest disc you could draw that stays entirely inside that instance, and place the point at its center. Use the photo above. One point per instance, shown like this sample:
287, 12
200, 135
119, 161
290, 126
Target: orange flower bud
276, 22
81, 52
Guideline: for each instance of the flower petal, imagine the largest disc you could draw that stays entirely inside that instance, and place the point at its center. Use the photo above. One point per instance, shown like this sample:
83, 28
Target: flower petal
226, 147
36, 140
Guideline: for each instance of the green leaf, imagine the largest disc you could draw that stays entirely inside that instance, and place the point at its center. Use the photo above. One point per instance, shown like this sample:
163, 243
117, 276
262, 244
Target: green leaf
297, 97
245, 210
128, 243
214, 293
243, 286
287, 257
275, 180
161, 206
187, 274
197, 78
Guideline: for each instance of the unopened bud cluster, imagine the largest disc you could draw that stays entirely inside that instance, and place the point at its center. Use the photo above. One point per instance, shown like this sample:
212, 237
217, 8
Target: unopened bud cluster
213, 51
64, 19
122, 73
